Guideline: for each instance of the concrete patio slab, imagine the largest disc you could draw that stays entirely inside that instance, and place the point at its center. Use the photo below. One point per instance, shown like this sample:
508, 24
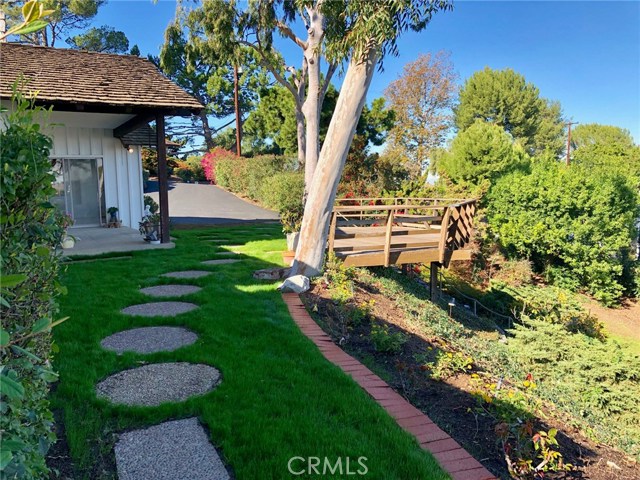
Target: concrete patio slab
99, 240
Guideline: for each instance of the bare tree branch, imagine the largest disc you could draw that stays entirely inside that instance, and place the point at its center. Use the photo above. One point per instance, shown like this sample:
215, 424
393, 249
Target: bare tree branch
287, 32
265, 63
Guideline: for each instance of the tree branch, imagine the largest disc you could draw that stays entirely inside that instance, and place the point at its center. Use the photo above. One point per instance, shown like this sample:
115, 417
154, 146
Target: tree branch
287, 32
265, 63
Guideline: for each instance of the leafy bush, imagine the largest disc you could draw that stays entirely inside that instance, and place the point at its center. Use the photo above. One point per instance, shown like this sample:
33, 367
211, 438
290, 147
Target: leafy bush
551, 304
479, 155
448, 364
151, 203
386, 341
210, 159
528, 454
515, 272
231, 173
597, 381
283, 191
576, 224
150, 161
339, 279
190, 170
30, 231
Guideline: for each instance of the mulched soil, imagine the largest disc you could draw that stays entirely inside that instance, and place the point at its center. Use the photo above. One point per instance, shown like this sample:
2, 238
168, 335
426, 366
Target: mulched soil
449, 403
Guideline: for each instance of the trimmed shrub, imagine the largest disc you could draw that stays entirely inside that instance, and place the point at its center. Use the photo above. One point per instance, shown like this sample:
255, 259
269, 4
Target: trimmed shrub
576, 224
231, 173
283, 191
30, 230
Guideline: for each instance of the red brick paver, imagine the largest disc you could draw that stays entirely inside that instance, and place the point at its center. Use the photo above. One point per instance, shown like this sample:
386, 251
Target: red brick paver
451, 456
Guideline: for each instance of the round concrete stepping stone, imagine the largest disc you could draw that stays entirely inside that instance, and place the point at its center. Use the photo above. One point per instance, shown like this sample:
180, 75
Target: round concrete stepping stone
175, 450
227, 252
187, 274
157, 383
170, 290
222, 261
149, 340
159, 309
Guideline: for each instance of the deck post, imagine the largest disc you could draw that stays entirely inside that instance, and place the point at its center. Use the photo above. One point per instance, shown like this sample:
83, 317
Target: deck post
163, 179
387, 239
433, 280
332, 231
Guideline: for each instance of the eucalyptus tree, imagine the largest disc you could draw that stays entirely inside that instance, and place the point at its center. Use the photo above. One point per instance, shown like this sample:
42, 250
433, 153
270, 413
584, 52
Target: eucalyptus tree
229, 25
360, 33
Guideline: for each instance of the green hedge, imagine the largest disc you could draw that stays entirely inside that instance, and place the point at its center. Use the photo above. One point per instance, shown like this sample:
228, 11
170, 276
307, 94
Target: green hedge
30, 231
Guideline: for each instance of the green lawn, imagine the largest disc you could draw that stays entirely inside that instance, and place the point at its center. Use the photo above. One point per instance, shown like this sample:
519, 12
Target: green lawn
278, 397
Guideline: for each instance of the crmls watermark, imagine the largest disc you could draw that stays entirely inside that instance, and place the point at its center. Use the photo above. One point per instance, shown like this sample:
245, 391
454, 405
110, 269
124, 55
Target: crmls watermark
327, 466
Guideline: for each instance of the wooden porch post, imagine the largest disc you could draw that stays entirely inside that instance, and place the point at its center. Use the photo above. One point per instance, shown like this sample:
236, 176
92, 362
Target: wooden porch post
163, 178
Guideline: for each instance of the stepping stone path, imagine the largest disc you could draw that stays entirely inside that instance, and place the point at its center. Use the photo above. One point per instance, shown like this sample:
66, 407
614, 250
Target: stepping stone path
149, 340
157, 383
170, 290
176, 450
222, 261
186, 274
159, 309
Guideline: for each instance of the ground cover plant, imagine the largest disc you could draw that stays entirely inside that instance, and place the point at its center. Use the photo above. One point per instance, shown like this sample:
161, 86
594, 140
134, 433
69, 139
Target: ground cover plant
278, 396
546, 397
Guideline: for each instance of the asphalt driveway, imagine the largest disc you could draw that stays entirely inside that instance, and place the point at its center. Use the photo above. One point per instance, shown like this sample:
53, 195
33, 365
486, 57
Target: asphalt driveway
204, 204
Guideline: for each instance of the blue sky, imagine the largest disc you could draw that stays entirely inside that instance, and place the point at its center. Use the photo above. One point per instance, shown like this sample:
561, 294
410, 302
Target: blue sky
584, 54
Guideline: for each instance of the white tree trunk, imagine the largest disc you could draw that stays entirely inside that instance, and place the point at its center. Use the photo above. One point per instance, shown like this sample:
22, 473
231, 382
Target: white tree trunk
323, 188
311, 107
300, 130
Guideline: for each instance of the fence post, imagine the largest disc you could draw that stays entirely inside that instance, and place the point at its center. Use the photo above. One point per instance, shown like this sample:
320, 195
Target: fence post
475, 307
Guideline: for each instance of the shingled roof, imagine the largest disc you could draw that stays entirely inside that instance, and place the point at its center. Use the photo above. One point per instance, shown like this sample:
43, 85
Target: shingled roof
90, 79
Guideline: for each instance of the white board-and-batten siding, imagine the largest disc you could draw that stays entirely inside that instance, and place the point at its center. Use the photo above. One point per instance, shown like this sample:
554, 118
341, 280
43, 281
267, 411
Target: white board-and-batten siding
122, 170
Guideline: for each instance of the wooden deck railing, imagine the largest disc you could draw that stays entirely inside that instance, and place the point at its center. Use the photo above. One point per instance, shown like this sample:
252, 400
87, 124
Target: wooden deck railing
382, 225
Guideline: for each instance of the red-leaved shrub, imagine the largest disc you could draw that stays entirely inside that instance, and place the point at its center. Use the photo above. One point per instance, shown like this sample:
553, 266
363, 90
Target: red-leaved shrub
209, 162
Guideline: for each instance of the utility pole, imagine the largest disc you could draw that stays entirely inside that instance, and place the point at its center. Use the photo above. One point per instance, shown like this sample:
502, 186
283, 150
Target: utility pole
569, 141
236, 101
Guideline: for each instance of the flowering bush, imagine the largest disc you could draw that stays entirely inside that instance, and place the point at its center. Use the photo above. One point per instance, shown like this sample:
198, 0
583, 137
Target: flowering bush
210, 159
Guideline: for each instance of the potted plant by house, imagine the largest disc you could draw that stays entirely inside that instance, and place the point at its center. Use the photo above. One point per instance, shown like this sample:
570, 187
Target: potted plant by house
67, 241
149, 227
113, 217
291, 219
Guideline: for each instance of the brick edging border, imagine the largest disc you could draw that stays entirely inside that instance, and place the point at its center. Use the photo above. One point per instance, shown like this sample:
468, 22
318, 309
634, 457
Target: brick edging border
454, 459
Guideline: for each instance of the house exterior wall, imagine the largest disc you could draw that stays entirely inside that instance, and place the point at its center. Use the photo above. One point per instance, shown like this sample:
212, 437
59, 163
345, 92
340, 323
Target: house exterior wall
122, 169
84, 136
90, 135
